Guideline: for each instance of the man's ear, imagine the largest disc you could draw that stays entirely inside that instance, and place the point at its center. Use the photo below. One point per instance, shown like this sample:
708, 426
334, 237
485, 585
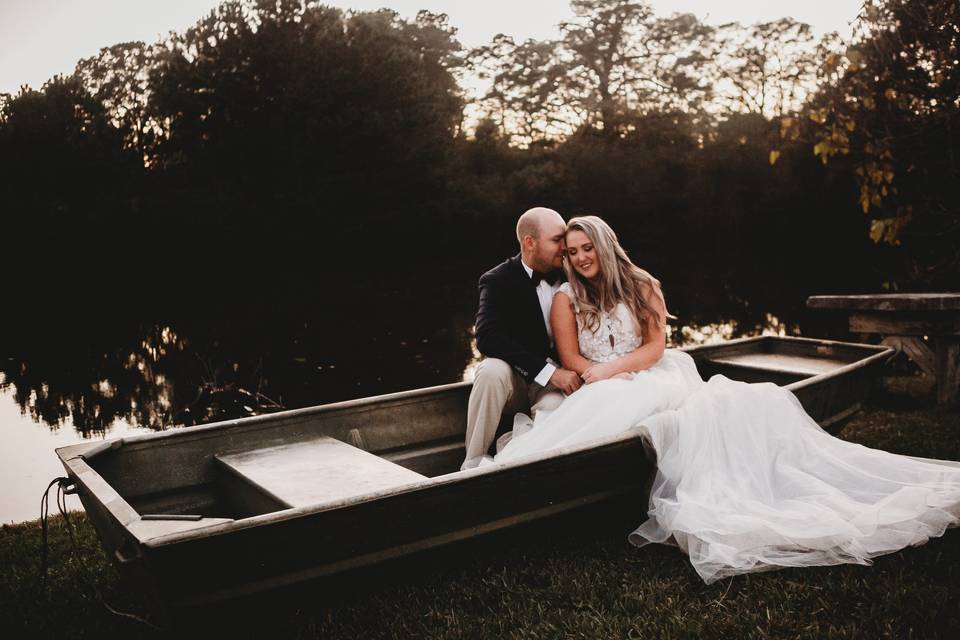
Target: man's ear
529, 242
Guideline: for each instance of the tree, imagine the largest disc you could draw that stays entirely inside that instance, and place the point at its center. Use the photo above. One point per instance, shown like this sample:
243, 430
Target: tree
614, 57
118, 76
767, 68
59, 153
294, 104
68, 185
891, 105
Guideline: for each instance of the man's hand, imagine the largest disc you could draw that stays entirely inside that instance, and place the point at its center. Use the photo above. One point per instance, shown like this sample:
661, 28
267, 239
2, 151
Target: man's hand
599, 372
566, 380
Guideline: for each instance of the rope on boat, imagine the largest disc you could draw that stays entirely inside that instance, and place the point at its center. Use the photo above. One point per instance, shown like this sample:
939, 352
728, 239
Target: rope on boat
66, 487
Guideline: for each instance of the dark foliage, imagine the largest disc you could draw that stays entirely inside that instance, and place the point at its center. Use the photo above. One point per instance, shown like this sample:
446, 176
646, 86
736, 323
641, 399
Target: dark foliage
283, 169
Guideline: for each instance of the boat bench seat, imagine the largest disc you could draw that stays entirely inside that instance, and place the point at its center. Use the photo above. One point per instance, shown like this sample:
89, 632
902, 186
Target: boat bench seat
306, 473
780, 363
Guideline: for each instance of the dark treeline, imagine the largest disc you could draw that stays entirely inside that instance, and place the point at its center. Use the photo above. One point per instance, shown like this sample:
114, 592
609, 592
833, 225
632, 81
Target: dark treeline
291, 203
278, 145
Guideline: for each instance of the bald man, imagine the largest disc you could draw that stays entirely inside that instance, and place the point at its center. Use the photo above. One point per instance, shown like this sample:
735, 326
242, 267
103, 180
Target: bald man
520, 370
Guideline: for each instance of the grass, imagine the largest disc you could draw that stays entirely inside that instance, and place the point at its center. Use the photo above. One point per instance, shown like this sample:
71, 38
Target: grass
579, 581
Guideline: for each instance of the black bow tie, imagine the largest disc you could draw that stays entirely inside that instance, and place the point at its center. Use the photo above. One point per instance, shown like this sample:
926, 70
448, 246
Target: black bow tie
551, 277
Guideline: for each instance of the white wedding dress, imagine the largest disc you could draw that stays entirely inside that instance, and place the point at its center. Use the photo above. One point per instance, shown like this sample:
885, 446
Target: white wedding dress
746, 480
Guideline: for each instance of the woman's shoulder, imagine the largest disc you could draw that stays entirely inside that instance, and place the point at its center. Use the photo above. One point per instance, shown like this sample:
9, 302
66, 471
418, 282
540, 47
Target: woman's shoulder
567, 290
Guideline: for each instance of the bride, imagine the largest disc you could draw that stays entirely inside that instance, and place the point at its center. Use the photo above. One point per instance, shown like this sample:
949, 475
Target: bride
746, 480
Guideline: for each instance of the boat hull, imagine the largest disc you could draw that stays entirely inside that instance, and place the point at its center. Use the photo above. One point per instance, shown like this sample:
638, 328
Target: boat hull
130, 486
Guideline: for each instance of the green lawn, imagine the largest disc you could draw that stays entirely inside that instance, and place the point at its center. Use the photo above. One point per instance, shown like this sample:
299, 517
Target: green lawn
549, 582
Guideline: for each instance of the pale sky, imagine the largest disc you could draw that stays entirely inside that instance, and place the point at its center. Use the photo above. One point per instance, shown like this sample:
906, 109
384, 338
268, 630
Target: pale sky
40, 38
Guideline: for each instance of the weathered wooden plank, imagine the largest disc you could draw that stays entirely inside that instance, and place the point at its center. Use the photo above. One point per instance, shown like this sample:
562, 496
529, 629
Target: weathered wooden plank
948, 370
904, 318
915, 349
914, 323
888, 302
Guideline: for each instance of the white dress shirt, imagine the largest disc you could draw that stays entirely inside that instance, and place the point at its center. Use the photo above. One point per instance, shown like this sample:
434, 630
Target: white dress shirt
545, 292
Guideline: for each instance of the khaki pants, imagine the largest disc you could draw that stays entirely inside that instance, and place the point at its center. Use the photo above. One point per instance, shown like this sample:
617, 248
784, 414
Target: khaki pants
498, 389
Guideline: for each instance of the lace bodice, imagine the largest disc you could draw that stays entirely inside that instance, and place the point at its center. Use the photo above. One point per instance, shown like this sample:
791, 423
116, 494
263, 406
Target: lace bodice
616, 335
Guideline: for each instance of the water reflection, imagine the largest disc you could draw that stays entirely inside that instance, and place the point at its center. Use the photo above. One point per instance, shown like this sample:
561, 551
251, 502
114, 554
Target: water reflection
179, 374
92, 388
716, 332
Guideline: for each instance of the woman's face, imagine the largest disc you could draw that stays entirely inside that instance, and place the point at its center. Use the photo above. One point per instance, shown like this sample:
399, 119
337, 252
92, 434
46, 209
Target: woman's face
582, 254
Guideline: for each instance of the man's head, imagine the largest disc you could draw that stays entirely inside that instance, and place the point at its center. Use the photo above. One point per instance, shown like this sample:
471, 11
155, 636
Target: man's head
540, 232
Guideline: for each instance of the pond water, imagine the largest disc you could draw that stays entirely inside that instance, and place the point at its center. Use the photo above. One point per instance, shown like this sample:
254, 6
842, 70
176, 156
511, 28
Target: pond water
107, 375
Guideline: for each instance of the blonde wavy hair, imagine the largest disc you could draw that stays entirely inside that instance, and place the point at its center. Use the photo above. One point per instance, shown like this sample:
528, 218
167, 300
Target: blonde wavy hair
619, 280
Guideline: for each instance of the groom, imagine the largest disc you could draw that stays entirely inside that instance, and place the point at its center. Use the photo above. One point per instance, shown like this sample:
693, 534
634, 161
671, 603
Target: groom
513, 332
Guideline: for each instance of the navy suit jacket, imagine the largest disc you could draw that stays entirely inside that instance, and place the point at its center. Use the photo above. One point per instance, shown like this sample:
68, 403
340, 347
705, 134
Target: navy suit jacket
510, 322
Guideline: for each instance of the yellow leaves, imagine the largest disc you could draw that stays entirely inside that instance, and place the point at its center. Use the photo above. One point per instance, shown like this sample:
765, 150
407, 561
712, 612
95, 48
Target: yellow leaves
837, 141
774, 155
876, 184
880, 229
824, 150
789, 132
869, 103
864, 198
888, 229
890, 94
876, 181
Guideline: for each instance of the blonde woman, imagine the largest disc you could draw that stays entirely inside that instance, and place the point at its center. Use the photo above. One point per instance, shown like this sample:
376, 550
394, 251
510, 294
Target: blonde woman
607, 299
746, 480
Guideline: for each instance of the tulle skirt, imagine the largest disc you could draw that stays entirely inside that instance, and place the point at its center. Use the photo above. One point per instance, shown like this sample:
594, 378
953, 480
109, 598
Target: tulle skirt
746, 480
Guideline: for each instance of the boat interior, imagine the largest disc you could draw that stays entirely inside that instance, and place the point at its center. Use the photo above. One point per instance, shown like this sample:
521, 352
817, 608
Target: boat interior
326, 455
776, 359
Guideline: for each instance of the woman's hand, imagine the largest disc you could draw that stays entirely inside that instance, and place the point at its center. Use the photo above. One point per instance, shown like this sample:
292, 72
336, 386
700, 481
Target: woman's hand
600, 371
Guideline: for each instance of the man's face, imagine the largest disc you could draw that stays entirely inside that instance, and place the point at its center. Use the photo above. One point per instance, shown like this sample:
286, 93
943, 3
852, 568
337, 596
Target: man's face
549, 245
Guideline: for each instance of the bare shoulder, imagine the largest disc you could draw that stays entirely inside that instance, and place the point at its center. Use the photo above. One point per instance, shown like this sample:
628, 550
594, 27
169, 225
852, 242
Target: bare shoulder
564, 297
562, 300
652, 295
648, 290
